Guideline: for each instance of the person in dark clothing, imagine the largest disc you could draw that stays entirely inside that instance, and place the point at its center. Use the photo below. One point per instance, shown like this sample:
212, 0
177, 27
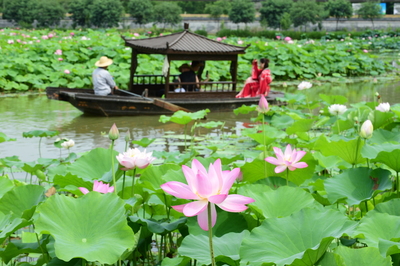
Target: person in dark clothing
188, 75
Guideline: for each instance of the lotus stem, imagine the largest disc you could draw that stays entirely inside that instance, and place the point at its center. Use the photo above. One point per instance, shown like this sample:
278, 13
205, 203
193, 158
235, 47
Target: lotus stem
338, 127
40, 152
287, 176
356, 157
123, 178
185, 135
397, 184
265, 146
133, 185
112, 168
210, 234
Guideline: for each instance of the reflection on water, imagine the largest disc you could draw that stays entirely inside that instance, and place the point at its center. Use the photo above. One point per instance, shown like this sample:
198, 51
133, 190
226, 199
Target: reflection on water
36, 112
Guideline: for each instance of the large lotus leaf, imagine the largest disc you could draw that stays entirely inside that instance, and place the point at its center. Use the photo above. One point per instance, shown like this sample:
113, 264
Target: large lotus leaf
395, 109
9, 224
39, 133
368, 256
357, 184
391, 159
379, 119
4, 138
299, 239
269, 134
348, 150
282, 121
381, 136
183, 118
93, 227
330, 259
197, 246
176, 261
22, 199
333, 99
95, 165
159, 227
160, 174
16, 247
372, 151
71, 183
379, 229
5, 185
302, 125
391, 207
276, 203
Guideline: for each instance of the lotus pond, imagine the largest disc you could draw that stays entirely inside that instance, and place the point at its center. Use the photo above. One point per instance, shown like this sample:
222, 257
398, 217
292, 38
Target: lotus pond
315, 182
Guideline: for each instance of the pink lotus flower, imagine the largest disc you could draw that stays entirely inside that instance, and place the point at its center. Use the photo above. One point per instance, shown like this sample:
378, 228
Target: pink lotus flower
206, 188
133, 158
50, 35
60, 59
72, 34
224, 38
290, 159
365, 51
58, 52
10, 41
288, 38
219, 39
240, 42
263, 105
67, 71
99, 187
45, 37
278, 37
136, 34
383, 107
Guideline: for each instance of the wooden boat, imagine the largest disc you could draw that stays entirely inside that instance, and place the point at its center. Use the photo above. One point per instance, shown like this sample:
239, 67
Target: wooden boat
181, 46
122, 105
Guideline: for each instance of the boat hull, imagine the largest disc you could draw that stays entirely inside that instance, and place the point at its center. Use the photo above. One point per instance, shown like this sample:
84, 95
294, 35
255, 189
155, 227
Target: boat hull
122, 105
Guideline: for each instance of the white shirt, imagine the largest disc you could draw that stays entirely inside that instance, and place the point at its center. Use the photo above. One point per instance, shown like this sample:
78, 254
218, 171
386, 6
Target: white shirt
103, 82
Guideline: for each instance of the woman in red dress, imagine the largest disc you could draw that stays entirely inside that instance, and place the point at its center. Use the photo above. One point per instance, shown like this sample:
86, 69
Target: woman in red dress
258, 83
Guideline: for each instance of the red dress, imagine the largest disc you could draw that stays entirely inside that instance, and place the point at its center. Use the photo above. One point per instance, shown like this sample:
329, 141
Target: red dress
257, 84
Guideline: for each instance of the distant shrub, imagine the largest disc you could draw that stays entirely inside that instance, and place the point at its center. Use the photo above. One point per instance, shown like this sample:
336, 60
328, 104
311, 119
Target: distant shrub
201, 32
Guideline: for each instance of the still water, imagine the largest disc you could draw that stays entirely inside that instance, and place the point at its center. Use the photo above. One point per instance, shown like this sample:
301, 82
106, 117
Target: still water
22, 113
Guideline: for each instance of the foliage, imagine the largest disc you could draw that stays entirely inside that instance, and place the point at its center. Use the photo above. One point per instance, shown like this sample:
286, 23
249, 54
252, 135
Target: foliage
339, 9
141, 11
242, 11
167, 13
105, 13
306, 11
80, 12
192, 7
18, 11
370, 10
47, 13
217, 9
285, 21
272, 12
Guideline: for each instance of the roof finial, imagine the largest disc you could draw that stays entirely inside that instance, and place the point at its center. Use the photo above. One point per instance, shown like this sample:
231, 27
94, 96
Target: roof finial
185, 26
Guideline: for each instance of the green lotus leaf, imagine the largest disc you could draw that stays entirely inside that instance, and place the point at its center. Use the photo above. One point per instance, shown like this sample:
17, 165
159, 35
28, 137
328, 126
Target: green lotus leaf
17, 247
382, 231
302, 125
357, 184
57, 262
40, 133
282, 121
395, 109
372, 151
330, 259
380, 119
197, 247
71, 183
391, 207
177, 261
159, 227
299, 239
244, 109
269, 133
95, 165
348, 150
20, 200
183, 118
368, 256
93, 227
211, 124
333, 99
391, 159
381, 135
144, 142
4, 138
9, 224
281, 202
5, 185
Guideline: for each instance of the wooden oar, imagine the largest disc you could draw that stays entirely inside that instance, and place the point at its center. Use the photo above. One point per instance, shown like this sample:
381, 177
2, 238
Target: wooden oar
163, 104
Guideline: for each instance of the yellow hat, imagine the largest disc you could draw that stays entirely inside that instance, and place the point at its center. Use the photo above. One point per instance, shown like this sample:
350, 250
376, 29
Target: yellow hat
104, 61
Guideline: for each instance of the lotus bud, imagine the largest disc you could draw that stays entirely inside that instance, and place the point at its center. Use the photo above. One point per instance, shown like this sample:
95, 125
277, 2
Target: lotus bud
366, 129
128, 136
263, 105
114, 133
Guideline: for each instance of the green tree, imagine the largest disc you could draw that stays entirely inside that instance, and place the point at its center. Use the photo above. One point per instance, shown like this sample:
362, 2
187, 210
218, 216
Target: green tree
285, 21
167, 13
141, 11
80, 12
47, 13
106, 13
217, 9
242, 11
370, 10
18, 11
192, 7
306, 11
339, 9
272, 10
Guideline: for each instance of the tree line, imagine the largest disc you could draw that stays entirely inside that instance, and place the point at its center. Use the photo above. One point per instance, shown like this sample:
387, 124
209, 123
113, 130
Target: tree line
277, 14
